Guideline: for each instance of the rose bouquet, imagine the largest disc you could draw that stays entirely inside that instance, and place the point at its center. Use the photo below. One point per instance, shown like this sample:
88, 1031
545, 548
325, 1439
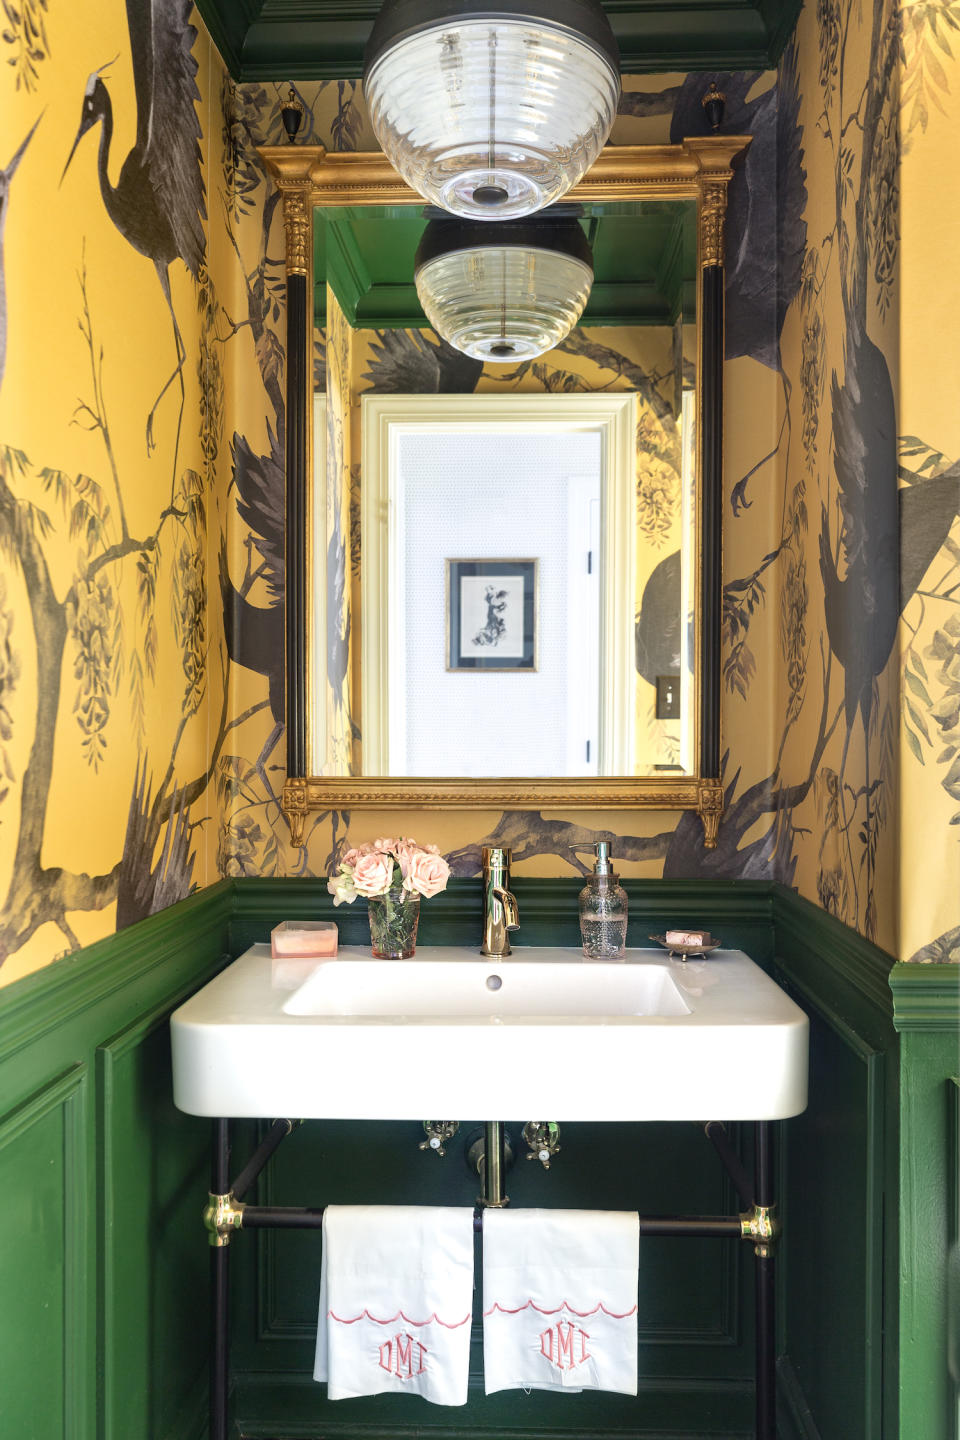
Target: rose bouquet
391, 875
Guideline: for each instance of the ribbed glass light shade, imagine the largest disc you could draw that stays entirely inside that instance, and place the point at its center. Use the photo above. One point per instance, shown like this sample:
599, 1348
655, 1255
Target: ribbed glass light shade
494, 117
503, 302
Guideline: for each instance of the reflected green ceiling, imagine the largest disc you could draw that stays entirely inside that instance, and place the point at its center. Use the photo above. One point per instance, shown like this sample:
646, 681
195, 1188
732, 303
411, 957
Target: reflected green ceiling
324, 39
644, 259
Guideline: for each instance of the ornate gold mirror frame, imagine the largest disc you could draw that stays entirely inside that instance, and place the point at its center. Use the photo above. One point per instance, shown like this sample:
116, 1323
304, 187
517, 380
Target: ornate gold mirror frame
309, 176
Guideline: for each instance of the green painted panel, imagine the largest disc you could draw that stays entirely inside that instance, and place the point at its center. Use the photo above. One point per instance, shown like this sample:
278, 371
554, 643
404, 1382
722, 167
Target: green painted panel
154, 1171
690, 1290
927, 1014
272, 1407
42, 1264
830, 1320
104, 1289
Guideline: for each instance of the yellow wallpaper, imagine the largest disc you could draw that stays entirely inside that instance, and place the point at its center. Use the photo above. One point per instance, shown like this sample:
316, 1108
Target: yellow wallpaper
929, 441
111, 479
141, 621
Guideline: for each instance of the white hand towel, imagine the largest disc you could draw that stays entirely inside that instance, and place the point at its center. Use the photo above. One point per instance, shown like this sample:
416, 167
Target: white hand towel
560, 1300
396, 1301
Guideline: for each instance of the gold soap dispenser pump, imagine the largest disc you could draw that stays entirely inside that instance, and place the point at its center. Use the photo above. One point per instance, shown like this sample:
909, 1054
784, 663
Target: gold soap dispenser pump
603, 910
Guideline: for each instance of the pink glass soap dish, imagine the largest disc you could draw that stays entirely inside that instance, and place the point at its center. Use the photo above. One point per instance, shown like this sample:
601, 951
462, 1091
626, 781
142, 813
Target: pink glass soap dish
298, 947
304, 940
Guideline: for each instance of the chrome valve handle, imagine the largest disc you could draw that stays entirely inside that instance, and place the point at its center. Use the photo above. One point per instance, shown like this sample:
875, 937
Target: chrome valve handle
437, 1132
543, 1137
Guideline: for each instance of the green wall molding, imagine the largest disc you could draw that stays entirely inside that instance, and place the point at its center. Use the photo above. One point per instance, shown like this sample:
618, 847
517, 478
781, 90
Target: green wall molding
830, 952
548, 910
34, 1005
926, 997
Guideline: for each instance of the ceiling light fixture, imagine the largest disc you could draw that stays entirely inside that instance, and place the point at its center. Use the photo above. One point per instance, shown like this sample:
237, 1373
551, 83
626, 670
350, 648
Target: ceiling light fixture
505, 294
492, 112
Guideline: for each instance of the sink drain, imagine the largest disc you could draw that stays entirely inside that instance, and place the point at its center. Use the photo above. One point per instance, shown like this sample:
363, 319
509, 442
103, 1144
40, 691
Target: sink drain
494, 982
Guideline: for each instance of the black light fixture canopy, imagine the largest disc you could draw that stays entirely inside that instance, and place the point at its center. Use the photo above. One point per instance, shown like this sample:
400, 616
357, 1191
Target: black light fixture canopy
400, 19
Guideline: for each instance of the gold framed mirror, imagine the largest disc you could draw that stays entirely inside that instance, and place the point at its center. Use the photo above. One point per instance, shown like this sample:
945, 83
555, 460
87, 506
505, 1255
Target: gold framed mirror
326, 764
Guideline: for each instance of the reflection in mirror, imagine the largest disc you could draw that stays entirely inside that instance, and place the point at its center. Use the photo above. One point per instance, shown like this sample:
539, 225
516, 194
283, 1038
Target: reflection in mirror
505, 555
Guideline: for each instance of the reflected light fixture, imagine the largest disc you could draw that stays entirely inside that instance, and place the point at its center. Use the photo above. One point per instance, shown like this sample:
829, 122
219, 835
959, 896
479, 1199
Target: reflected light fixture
507, 293
492, 112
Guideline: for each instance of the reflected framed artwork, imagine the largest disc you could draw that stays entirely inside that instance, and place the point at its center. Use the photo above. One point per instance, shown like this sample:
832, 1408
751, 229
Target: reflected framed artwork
491, 615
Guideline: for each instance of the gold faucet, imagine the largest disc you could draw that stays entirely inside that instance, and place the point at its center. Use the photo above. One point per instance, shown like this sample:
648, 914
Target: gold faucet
500, 912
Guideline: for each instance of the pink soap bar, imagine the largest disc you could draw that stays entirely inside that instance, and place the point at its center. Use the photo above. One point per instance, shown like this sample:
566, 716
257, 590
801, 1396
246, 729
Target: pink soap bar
686, 937
305, 939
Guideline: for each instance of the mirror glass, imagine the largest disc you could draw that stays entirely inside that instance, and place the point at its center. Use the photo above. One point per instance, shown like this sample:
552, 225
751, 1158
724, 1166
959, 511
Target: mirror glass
504, 556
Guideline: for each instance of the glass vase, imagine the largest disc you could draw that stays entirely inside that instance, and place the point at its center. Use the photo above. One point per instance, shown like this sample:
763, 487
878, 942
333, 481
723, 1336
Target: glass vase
393, 924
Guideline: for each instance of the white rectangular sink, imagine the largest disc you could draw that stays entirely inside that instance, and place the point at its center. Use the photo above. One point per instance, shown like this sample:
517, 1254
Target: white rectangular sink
450, 1034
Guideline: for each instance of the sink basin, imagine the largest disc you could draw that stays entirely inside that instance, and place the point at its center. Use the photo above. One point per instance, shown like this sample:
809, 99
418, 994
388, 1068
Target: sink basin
505, 989
541, 1033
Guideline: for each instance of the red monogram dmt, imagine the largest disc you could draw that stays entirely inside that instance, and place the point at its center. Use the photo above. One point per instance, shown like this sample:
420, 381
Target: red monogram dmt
565, 1345
403, 1356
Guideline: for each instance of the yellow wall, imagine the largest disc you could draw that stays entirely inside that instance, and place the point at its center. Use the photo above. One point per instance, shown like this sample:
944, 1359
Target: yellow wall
141, 595
112, 673
929, 429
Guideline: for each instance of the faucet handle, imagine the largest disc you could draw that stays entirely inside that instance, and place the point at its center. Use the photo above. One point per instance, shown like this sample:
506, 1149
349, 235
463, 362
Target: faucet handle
437, 1132
543, 1137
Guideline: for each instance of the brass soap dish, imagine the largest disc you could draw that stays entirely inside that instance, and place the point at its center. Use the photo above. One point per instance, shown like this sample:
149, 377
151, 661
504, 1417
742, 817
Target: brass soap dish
688, 952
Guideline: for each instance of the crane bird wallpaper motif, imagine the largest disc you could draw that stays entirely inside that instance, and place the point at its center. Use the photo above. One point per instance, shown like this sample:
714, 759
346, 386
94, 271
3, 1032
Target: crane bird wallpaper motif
158, 201
125, 694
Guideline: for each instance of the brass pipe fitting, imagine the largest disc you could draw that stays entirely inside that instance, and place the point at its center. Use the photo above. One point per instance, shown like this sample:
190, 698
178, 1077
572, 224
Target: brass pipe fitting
223, 1215
762, 1226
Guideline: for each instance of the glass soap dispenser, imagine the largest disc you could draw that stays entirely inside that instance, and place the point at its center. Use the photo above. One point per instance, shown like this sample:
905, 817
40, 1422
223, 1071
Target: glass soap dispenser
603, 910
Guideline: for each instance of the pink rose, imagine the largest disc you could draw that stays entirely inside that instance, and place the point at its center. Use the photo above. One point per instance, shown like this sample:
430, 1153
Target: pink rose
405, 851
427, 874
385, 844
373, 873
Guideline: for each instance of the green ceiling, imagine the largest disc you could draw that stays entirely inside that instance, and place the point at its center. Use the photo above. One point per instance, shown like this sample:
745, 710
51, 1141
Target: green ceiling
324, 39
644, 259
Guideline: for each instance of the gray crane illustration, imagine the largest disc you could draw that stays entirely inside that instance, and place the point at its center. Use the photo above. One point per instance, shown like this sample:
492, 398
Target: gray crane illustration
6, 178
157, 203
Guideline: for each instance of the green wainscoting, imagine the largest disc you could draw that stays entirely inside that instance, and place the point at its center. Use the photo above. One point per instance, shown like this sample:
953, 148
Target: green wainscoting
103, 1270
838, 1180
927, 1015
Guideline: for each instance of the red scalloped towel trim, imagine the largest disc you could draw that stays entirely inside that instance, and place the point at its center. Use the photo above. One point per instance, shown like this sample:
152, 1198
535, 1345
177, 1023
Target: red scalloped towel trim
580, 1314
365, 1315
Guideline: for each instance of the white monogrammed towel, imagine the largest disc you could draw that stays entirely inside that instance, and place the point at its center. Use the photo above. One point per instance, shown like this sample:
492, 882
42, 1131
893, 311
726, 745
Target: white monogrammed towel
560, 1300
396, 1301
